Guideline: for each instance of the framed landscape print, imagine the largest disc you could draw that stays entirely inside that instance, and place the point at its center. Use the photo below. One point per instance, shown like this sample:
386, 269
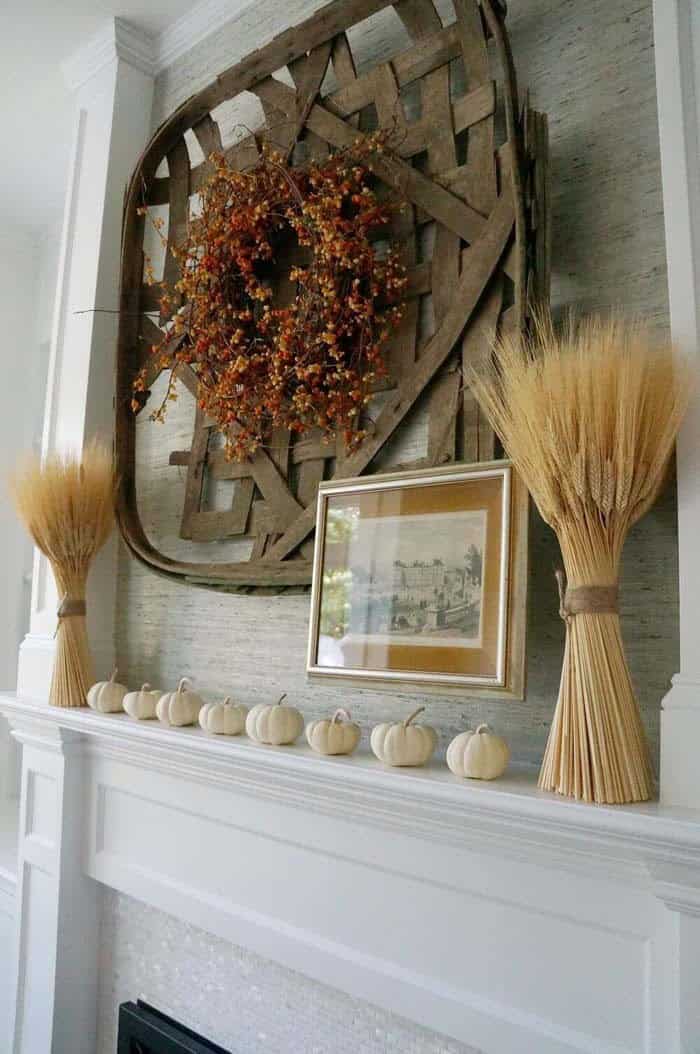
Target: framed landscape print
420, 578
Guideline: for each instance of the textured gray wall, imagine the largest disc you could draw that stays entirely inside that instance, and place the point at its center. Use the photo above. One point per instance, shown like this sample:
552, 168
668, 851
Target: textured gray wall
589, 65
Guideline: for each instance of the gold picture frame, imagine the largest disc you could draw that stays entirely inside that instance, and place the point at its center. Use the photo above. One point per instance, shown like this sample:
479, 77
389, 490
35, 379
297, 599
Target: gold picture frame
420, 580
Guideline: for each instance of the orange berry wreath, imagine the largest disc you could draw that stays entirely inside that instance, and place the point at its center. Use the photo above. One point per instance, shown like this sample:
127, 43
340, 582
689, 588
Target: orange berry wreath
288, 299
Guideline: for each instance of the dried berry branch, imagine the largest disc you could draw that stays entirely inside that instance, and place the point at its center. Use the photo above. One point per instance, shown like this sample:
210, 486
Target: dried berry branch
263, 362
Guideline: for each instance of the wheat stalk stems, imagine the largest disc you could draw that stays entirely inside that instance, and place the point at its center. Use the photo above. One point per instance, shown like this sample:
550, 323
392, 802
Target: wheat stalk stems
67, 504
589, 417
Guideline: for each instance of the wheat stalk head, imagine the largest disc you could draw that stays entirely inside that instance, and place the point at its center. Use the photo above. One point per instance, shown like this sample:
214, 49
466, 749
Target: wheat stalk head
589, 414
66, 502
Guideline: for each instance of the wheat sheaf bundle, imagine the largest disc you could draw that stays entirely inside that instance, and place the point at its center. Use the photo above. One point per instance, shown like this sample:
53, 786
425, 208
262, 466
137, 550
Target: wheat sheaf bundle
67, 504
589, 416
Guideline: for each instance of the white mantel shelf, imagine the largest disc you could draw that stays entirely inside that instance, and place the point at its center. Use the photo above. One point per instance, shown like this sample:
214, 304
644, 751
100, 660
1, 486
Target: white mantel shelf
429, 800
415, 890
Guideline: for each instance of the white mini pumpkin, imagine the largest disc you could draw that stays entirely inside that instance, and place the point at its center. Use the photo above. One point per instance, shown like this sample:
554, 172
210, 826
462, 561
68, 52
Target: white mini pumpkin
107, 696
335, 736
141, 705
180, 707
276, 725
404, 743
479, 755
223, 719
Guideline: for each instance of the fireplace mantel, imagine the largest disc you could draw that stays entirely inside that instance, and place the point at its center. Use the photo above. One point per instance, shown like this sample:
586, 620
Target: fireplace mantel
573, 914
430, 801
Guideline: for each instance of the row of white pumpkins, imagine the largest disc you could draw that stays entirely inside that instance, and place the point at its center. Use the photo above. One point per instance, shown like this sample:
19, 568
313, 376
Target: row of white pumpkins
471, 755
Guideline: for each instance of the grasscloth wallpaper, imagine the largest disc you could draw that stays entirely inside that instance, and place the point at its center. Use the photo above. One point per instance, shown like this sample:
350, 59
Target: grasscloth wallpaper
589, 65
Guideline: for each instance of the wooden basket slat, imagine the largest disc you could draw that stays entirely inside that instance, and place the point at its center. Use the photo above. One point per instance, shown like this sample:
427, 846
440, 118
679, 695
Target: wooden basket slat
208, 136
298, 40
409, 182
357, 93
437, 112
401, 348
478, 440
308, 73
194, 480
477, 70
344, 68
178, 215
431, 52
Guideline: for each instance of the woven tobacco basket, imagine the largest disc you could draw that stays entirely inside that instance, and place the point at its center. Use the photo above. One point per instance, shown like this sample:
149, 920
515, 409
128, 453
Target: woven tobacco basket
482, 191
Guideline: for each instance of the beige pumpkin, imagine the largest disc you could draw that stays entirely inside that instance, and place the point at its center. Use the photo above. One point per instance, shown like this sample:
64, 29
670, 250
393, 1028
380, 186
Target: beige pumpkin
404, 743
180, 707
275, 725
141, 705
337, 736
223, 719
107, 696
479, 755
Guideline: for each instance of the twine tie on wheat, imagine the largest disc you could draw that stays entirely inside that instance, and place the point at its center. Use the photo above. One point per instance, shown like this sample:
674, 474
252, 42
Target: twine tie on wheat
585, 600
70, 607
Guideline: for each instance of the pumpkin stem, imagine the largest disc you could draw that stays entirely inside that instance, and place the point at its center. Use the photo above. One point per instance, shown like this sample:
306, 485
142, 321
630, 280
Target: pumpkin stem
482, 728
226, 701
414, 714
112, 679
183, 682
340, 712
145, 687
283, 696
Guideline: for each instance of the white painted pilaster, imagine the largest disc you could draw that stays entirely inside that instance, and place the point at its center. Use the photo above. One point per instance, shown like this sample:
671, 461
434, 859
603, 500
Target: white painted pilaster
57, 906
677, 887
677, 49
112, 82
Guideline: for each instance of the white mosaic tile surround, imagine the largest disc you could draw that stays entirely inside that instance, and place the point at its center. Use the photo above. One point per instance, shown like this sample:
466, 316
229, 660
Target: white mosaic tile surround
234, 997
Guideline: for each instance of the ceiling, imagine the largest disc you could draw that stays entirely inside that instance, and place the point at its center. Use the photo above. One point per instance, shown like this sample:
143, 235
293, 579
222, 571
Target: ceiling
35, 107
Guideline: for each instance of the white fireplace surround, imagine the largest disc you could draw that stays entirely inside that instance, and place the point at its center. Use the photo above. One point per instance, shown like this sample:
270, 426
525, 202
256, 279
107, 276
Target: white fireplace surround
504, 917
515, 920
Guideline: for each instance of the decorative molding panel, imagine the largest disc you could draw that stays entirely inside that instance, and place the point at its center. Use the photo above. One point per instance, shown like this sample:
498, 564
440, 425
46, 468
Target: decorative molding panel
290, 855
7, 959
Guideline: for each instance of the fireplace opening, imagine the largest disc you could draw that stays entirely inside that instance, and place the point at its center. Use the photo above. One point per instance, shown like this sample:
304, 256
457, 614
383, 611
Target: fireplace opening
145, 1030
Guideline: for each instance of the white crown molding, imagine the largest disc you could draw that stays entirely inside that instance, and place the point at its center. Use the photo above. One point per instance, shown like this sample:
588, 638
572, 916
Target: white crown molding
151, 55
201, 21
118, 40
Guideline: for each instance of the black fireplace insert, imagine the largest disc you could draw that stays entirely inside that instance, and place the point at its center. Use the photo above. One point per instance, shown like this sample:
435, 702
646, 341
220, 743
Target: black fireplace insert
145, 1030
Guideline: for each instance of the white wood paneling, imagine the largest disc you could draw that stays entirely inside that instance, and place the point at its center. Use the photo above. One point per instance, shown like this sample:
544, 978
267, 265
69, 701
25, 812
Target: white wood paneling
7, 960
677, 47
516, 920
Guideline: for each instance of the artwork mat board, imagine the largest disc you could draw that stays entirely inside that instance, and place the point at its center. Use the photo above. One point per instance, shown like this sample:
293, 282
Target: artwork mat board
512, 584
